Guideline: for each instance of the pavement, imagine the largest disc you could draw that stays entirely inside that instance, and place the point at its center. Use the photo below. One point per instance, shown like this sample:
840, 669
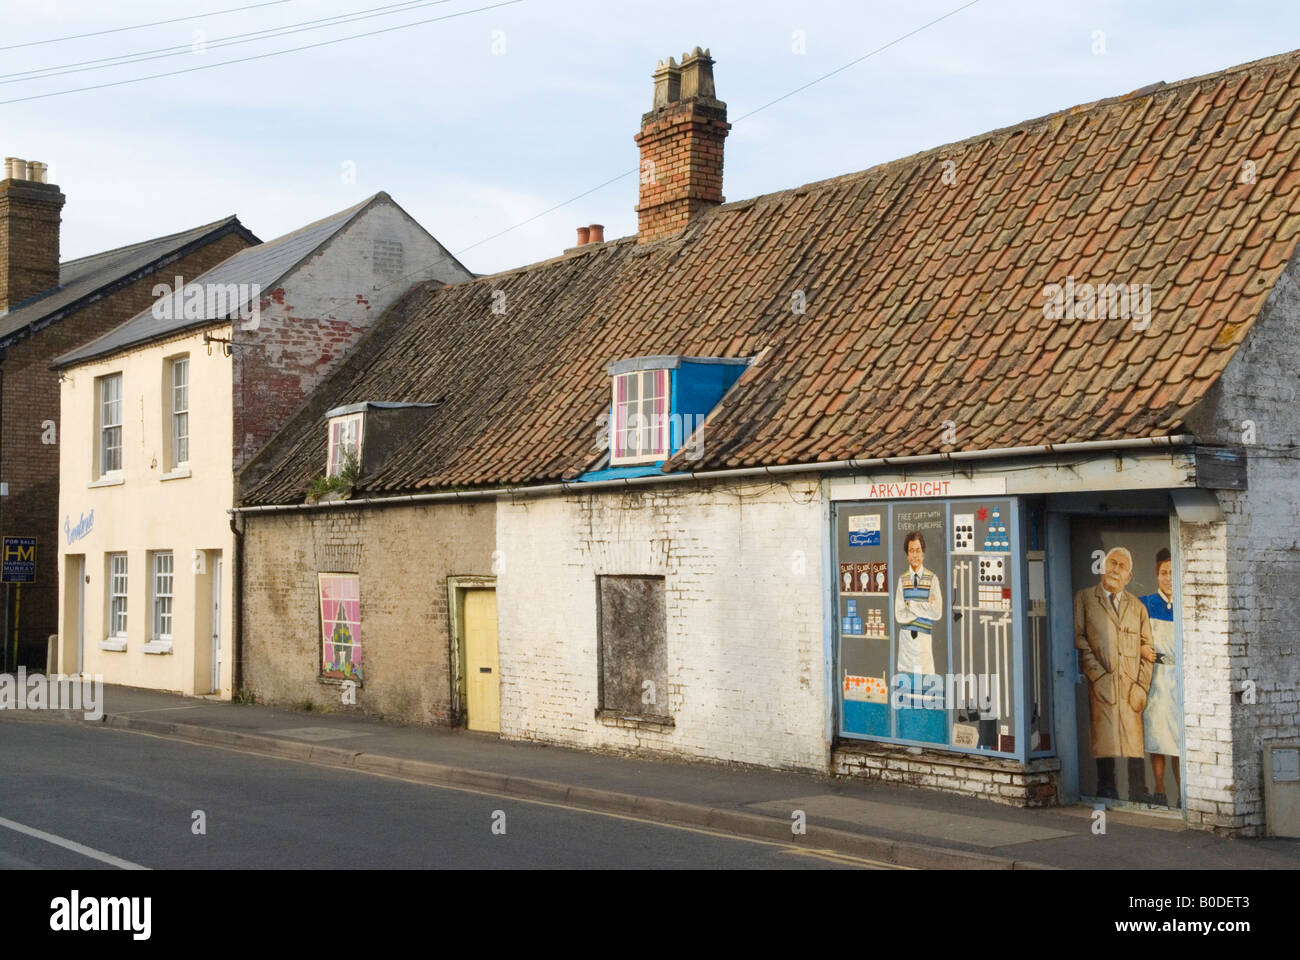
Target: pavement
887, 823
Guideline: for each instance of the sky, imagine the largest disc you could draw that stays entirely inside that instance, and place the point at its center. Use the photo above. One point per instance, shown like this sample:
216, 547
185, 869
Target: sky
478, 122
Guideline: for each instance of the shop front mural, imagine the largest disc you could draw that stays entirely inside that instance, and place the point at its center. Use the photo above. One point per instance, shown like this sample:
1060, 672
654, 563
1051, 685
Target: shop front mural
928, 629
983, 619
1128, 702
340, 614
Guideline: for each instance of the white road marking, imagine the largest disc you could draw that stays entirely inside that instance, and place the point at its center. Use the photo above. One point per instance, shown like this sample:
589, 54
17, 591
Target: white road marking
71, 845
848, 858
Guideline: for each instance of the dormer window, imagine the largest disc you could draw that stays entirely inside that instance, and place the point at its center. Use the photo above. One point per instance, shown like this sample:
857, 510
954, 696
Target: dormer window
369, 431
640, 433
345, 441
658, 408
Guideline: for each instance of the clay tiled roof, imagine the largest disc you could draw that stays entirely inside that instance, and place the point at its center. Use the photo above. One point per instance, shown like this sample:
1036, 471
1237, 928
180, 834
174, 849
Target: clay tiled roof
925, 302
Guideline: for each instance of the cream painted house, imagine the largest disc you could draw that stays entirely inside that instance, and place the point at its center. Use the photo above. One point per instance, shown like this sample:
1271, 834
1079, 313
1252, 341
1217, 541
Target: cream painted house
158, 413
144, 483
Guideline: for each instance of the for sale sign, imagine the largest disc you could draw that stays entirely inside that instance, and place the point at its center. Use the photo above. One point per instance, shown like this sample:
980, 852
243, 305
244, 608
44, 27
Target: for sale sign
19, 559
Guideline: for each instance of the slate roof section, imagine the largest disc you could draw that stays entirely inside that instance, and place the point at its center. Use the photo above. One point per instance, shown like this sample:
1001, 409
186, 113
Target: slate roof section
87, 279
924, 303
263, 265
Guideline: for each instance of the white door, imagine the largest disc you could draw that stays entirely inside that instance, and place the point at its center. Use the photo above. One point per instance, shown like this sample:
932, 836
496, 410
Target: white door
216, 626
80, 566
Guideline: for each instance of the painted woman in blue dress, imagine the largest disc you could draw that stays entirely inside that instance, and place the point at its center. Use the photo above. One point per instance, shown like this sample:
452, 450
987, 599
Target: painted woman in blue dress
1162, 721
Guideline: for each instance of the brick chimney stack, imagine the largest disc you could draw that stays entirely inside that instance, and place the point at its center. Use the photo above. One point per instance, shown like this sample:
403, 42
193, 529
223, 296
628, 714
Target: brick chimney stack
29, 232
681, 147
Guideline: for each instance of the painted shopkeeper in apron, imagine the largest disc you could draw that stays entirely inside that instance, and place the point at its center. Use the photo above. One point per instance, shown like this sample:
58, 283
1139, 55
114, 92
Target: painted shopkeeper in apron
918, 605
1162, 721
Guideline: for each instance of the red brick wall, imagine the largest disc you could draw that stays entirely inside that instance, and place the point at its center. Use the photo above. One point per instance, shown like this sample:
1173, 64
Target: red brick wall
31, 397
291, 355
681, 165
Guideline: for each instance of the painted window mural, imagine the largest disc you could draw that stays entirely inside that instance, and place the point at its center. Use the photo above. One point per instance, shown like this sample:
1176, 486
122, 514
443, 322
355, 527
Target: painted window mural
340, 616
1128, 700
1040, 661
983, 618
928, 625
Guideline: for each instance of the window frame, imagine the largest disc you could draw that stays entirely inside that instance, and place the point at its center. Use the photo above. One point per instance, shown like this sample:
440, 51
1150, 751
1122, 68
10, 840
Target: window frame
336, 453
103, 425
657, 450
112, 595
175, 413
346, 587
158, 610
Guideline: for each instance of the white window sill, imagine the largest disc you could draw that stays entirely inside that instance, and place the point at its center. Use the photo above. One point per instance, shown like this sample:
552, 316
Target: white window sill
115, 644
638, 461
157, 646
111, 480
180, 473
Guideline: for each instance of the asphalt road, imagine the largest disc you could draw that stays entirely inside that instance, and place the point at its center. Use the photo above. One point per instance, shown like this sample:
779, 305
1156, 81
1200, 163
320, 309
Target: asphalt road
120, 799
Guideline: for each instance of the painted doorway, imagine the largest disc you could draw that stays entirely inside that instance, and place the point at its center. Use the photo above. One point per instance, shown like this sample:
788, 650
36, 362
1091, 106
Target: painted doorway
482, 662
216, 624
72, 618
1128, 691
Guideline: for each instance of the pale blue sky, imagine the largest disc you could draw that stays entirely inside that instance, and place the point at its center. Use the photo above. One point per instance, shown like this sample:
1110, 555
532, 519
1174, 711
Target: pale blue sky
470, 140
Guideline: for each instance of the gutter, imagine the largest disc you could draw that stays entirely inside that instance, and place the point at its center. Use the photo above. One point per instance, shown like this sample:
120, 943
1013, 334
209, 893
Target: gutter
565, 486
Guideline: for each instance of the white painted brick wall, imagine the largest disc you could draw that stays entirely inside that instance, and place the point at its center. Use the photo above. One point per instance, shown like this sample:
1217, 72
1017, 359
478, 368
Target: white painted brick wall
744, 633
1241, 602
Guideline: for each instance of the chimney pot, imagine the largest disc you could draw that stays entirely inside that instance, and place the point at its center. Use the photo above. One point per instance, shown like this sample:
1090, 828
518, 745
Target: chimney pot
15, 169
597, 232
584, 235
36, 171
697, 75
668, 83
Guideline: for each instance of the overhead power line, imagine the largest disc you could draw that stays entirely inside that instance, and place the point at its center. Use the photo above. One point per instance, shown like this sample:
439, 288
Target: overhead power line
125, 59
141, 26
260, 56
770, 103
854, 63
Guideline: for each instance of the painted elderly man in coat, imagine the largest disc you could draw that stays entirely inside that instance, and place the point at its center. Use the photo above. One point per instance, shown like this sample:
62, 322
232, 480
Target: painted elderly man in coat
1111, 631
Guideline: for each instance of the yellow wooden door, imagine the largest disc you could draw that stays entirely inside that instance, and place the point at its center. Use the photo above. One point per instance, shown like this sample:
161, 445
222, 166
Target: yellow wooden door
482, 666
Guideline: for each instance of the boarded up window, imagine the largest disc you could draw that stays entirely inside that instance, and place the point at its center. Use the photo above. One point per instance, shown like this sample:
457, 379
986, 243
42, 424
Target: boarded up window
390, 258
633, 655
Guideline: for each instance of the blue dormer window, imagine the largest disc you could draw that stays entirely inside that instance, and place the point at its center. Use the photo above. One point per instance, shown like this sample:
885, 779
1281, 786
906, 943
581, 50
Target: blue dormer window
658, 406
